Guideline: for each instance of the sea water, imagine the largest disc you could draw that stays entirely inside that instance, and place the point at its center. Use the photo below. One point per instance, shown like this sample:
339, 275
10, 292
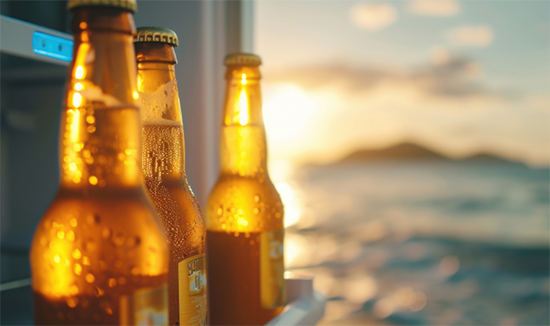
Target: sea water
424, 241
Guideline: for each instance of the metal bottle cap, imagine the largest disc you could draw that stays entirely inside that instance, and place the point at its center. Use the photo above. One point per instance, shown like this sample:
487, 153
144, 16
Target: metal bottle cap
130, 5
242, 59
156, 34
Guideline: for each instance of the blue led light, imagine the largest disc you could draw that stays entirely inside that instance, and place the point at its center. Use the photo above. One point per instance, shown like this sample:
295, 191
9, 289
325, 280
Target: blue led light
52, 46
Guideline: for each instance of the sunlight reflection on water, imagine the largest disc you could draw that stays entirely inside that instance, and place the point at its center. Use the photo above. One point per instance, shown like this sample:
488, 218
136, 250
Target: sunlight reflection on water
291, 203
421, 243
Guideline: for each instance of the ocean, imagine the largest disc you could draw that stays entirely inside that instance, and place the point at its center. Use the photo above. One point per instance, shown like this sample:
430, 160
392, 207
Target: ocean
422, 242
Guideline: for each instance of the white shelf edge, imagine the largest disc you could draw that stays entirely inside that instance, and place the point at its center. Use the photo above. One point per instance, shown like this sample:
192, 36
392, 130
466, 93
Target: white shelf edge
305, 307
303, 311
16, 39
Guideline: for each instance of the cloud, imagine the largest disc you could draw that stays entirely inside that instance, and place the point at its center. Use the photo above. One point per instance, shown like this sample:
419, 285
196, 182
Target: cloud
440, 105
344, 107
451, 77
471, 35
391, 115
373, 16
439, 56
539, 103
435, 7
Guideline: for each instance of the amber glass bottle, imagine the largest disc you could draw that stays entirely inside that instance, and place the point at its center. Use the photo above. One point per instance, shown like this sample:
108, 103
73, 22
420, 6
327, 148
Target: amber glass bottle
99, 254
164, 169
244, 213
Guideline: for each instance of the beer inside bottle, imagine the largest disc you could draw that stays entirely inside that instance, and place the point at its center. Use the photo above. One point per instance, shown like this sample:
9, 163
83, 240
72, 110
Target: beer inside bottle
164, 169
99, 255
244, 212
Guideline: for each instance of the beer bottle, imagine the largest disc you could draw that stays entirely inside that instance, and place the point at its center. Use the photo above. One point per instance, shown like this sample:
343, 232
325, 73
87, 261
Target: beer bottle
164, 169
99, 255
244, 213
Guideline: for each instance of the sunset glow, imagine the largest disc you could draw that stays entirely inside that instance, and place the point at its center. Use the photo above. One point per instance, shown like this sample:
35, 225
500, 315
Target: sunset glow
366, 85
288, 111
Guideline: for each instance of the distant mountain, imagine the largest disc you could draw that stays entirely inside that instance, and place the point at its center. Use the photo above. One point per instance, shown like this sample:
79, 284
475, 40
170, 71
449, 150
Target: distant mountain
397, 152
407, 151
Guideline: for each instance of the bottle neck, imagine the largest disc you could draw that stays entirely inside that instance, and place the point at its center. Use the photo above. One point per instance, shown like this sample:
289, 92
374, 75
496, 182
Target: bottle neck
243, 142
157, 85
163, 140
100, 127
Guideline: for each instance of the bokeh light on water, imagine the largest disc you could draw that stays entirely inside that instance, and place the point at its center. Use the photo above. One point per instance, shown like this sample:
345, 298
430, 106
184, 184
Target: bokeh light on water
386, 249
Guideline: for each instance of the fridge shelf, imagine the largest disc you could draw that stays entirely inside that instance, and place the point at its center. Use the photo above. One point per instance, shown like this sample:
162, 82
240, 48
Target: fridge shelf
304, 305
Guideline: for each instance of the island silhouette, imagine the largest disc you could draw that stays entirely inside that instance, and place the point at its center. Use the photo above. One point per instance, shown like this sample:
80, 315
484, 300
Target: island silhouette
411, 151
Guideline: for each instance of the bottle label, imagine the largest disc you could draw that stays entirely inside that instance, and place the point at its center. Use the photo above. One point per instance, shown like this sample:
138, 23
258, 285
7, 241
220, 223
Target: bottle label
192, 290
272, 289
145, 307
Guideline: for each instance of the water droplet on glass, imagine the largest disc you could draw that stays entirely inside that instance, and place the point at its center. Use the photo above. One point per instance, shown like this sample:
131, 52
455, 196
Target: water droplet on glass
77, 269
257, 199
70, 236
73, 290
119, 239
133, 242
90, 219
77, 254
90, 278
99, 292
112, 282
90, 245
104, 305
106, 233
72, 302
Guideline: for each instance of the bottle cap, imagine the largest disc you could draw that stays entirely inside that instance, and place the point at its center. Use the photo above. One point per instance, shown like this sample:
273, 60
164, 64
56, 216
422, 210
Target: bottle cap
242, 59
130, 5
156, 34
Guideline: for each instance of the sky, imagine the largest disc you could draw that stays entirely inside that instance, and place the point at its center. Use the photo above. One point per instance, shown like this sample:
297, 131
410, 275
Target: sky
459, 77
